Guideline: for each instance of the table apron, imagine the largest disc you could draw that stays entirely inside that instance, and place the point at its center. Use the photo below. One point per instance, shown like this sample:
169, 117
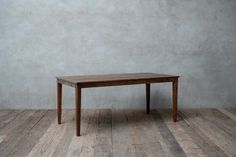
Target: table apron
66, 83
126, 82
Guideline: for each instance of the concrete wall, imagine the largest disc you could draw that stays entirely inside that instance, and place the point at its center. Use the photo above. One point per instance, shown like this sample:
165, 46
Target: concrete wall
42, 39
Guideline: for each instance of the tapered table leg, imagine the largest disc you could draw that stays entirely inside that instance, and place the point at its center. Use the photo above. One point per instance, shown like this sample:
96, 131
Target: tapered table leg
175, 99
78, 109
148, 98
59, 102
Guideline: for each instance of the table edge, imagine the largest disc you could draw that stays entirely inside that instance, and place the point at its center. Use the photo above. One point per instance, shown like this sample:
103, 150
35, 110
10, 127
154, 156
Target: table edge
116, 82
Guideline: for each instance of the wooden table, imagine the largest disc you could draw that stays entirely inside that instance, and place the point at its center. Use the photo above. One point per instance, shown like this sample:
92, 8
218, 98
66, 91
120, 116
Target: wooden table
87, 81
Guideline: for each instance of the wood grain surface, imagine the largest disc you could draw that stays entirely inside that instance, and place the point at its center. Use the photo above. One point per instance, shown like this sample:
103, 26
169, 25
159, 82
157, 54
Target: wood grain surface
119, 133
86, 81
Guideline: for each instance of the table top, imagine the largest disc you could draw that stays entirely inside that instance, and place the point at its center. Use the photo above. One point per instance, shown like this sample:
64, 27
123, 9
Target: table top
113, 77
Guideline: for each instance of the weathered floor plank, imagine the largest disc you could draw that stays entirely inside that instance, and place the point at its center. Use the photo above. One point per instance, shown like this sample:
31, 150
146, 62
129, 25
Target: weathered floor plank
222, 136
211, 131
49, 141
183, 138
230, 114
7, 116
199, 138
145, 141
171, 142
119, 133
18, 120
103, 142
27, 142
82, 145
62, 147
231, 110
221, 123
13, 138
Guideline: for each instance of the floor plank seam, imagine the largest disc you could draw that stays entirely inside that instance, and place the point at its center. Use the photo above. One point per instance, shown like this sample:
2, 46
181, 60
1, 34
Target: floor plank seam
19, 114
227, 113
213, 146
37, 122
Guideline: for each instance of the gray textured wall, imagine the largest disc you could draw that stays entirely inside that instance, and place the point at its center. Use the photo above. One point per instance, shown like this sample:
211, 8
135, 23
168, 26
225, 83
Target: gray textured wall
41, 39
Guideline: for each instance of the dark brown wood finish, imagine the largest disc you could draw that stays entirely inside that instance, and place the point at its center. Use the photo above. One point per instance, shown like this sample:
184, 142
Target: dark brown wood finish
88, 81
77, 109
175, 99
148, 97
59, 101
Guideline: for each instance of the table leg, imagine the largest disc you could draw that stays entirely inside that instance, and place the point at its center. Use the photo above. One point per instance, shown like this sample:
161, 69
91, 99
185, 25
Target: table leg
78, 109
175, 99
148, 98
59, 102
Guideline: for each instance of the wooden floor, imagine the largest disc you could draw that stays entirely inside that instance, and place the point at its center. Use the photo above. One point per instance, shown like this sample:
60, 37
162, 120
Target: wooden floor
118, 133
